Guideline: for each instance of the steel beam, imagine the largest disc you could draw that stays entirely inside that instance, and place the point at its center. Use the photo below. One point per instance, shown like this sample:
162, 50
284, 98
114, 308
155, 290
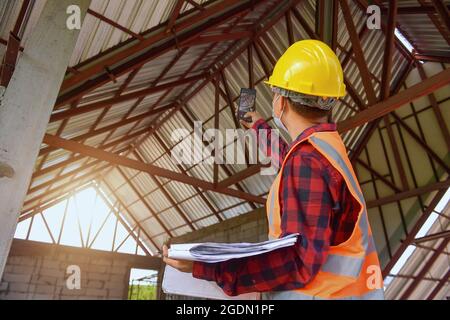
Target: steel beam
168, 196
180, 167
413, 10
439, 286
406, 96
425, 269
174, 15
432, 57
413, 232
396, 152
115, 24
267, 70
399, 81
389, 45
229, 99
434, 236
196, 5
143, 200
378, 175
200, 40
151, 169
21, 18
290, 30
359, 54
241, 175
443, 12
9, 60
408, 194
327, 20
421, 142
436, 19
436, 109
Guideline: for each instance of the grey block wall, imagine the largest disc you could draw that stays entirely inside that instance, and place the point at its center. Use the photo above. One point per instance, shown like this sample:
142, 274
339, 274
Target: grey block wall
39, 271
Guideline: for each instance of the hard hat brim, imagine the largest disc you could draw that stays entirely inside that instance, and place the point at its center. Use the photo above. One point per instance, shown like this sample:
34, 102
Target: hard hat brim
308, 93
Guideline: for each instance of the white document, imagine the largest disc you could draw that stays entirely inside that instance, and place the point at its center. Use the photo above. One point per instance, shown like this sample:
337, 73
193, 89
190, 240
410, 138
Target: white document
216, 252
183, 283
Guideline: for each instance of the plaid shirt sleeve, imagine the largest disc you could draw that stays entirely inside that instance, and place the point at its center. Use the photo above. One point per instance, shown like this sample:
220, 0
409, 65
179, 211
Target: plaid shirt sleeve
306, 209
264, 134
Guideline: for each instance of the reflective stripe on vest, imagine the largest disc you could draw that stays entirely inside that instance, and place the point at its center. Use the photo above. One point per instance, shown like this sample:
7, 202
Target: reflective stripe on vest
368, 242
343, 265
332, 153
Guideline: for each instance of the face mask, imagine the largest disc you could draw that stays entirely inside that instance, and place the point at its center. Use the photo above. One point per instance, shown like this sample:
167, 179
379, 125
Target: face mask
277, 120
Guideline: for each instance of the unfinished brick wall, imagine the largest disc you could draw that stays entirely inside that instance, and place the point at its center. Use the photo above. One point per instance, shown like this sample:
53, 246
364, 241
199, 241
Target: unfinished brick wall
39, 271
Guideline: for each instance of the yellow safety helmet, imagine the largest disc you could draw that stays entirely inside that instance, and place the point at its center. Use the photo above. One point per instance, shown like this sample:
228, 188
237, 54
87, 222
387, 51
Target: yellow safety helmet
309, 67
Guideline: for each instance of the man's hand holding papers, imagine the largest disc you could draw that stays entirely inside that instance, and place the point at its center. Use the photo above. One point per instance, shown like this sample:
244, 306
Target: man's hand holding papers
180, 259
181, 265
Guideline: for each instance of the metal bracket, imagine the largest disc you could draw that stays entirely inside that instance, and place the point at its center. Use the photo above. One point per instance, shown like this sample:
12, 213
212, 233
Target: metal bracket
177, 44
10, 59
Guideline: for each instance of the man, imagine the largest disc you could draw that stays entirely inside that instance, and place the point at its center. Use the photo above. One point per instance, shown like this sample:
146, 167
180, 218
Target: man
315, 194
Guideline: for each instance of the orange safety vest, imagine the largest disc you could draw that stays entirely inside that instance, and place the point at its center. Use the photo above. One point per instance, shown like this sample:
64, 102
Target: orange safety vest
348, 270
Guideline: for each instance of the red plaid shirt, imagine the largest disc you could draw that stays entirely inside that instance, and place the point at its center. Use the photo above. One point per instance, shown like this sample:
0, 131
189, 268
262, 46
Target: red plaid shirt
316, 203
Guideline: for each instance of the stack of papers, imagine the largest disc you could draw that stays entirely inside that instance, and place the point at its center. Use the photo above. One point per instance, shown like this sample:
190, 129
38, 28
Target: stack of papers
181, 283
210, 252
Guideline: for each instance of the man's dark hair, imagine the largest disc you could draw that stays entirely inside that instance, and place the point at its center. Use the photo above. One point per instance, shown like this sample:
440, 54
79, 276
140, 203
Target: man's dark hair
310, 113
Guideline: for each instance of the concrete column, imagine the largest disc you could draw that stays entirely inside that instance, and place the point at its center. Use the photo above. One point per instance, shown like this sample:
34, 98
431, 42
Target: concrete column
27, 105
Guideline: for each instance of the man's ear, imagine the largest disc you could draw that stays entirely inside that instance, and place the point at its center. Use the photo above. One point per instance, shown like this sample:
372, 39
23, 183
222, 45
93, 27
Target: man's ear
284, 105
280, 105
276, 105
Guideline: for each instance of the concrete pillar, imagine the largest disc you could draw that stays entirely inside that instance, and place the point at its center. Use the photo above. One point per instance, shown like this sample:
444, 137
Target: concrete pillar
27, 105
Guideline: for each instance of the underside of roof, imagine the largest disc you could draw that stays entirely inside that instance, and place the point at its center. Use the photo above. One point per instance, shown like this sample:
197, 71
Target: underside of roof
142, 69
